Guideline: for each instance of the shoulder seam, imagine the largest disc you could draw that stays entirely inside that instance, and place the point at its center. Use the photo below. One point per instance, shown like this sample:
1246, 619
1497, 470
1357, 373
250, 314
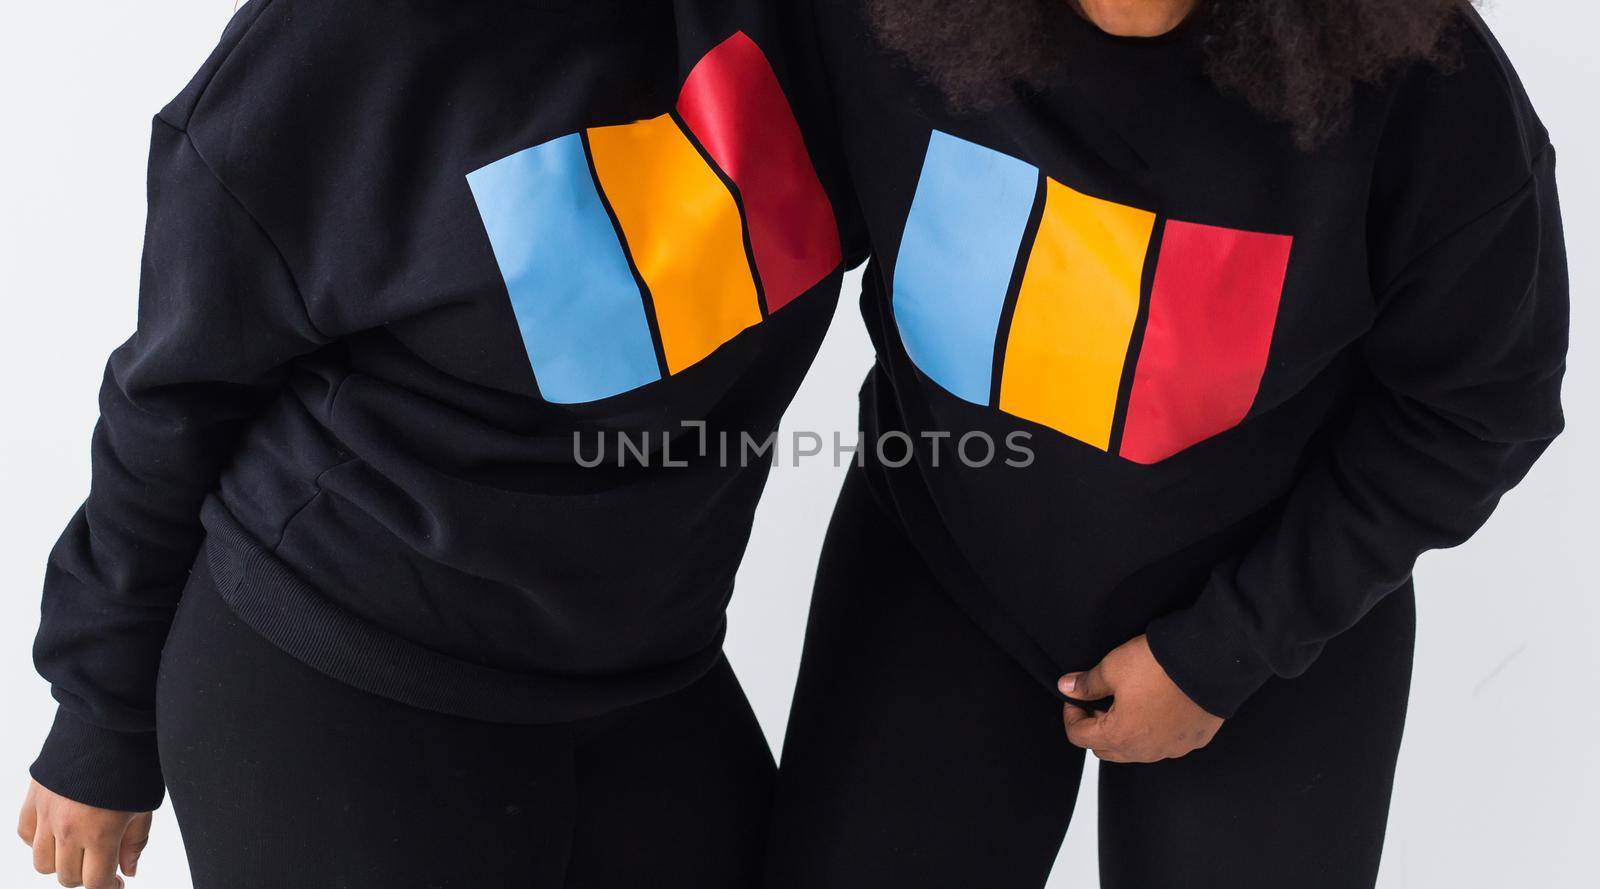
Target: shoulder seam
260, 7
1506, 77
277, 251
1536, 166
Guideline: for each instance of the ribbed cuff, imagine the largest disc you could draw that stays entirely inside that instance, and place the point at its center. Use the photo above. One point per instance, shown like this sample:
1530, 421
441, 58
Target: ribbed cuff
1209, 658
100, 767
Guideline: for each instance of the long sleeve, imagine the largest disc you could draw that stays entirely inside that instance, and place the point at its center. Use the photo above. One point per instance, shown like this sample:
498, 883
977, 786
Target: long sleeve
220, 320
1466, 356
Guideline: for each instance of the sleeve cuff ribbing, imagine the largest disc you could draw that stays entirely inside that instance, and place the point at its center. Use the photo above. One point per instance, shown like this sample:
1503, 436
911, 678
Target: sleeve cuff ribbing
1209, 659
100, 767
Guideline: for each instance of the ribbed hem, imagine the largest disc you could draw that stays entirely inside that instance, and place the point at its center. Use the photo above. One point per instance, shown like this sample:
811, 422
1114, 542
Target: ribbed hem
1209, 658
288, 612
100, 767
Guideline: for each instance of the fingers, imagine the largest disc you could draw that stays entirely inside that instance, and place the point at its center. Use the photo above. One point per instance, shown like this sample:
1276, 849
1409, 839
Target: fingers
1149, 718
133, 843
44, 852
28, 821
1102, 735
69, 863
80, 844
1088, 686
1085, 729
1092, 734
1073, 715
100, 867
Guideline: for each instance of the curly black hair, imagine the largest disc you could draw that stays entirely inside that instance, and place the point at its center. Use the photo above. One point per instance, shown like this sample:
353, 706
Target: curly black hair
1294, 61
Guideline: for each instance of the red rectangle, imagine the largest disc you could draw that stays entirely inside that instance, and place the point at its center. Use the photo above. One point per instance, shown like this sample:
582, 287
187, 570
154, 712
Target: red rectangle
1213, 308
736, 108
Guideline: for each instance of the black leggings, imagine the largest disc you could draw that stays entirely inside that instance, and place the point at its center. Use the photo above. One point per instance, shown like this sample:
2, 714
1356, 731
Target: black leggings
283, 778
920, 756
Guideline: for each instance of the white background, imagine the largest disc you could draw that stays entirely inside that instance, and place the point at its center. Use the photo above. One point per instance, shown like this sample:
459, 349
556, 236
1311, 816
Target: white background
1500, 777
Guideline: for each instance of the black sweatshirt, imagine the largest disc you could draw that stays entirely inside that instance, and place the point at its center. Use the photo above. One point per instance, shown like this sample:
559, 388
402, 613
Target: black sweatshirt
1250, 384
411, 268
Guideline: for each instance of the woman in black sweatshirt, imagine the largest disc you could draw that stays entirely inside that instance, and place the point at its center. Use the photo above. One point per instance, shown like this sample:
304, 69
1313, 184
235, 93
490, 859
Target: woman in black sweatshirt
411, 481
1274, 296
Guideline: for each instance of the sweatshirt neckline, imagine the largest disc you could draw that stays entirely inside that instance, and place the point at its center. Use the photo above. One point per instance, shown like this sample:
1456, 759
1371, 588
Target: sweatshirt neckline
606, 7
1177, 34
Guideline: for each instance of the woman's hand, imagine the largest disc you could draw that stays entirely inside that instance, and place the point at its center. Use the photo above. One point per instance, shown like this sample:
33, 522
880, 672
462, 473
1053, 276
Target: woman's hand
80, 844
1151, 719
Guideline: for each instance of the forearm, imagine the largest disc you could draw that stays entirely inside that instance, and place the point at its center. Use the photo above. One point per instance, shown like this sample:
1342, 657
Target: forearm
1466, 361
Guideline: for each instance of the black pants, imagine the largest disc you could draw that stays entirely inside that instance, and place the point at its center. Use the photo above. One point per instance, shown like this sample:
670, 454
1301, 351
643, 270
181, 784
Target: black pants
283, 778
920, 756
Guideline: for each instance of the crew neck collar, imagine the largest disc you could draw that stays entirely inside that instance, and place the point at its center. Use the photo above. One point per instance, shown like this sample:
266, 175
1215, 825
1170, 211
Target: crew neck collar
1178, 34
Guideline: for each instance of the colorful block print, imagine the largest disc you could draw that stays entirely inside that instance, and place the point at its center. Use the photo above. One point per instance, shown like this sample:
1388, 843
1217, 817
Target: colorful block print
1063, 352
1213, 308
956, 260
1075, 315
573, 294
734, 105
633, 252
667, 199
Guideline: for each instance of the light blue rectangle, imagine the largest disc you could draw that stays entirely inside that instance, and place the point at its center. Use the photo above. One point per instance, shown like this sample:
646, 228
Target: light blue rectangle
956, 260
577, 303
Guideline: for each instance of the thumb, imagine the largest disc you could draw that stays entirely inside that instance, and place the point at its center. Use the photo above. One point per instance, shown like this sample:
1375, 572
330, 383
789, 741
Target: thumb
1089, 686
134, 839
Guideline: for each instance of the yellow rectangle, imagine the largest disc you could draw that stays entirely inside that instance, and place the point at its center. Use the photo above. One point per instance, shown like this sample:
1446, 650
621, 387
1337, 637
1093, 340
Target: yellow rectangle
1075, 315
684, 233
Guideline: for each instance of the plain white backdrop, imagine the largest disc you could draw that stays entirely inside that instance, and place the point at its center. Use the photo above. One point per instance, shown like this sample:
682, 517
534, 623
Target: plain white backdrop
1499, 781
